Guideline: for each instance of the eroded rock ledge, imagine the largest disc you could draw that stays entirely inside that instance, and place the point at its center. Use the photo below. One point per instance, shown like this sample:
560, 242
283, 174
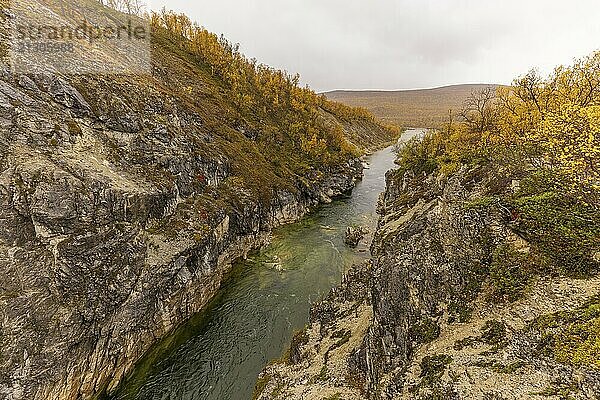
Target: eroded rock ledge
418, 323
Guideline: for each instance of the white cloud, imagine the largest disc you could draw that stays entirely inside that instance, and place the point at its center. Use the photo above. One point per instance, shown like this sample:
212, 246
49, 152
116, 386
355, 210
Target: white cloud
393, 44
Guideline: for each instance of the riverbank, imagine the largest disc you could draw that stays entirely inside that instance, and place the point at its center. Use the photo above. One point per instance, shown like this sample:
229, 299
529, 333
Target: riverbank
466, 295
266, 298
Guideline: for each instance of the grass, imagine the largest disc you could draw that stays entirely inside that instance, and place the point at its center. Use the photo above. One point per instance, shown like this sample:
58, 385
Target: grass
484, 202
510, 274
566, 230
564, 390
572, 337
563, 234
508, 368
459, 311
493, 333
425, 331
501, 368
336, 396
469, 341
322, 376
433, 367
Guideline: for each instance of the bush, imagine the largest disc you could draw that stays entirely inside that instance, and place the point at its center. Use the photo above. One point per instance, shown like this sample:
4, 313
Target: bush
572, 337
566, 230
433, 367
510, 274
419, 154
493, 333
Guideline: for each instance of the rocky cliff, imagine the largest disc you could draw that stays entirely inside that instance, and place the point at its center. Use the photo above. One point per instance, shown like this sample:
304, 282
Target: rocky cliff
111, 237
123, 202
435, 314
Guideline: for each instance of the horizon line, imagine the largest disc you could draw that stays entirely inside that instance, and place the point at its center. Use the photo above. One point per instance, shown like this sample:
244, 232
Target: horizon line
412, 89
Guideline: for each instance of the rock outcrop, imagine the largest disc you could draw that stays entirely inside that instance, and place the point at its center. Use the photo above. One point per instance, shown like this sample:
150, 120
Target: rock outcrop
419, 322
354, 235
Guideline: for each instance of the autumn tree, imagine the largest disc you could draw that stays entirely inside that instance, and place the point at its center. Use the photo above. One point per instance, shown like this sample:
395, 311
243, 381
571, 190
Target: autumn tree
264, 92
479, 110
133, 7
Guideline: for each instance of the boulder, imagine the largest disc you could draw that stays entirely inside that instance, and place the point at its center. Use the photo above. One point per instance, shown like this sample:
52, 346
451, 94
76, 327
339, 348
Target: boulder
354, 235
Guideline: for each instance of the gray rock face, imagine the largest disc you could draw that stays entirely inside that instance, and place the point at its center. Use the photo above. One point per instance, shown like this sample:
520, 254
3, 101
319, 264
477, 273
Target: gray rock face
430, 253
415, 322
117, 223
433, 333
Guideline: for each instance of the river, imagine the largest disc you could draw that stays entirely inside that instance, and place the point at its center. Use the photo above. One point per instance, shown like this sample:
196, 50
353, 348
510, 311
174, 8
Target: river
219, 353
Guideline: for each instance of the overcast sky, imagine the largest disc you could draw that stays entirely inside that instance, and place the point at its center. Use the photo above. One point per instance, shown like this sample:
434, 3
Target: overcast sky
402, 44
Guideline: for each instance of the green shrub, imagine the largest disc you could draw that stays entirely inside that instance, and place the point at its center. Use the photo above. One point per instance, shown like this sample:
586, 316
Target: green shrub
572, 337
433, 367
493, 333
565, 229
425, 331
510, 274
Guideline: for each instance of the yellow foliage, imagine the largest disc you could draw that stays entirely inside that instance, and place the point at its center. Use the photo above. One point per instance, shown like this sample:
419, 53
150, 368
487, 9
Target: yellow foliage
570, 138
551, 123
261, 92
556, 121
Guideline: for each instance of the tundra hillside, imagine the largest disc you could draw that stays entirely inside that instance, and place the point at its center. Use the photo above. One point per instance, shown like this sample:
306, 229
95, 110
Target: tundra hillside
124, 199
418, 108
484, 277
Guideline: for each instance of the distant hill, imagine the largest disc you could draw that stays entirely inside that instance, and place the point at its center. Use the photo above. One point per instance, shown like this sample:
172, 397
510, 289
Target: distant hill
421, 108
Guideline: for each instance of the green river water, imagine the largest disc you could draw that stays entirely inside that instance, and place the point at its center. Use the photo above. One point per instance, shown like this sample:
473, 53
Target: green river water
219, 353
